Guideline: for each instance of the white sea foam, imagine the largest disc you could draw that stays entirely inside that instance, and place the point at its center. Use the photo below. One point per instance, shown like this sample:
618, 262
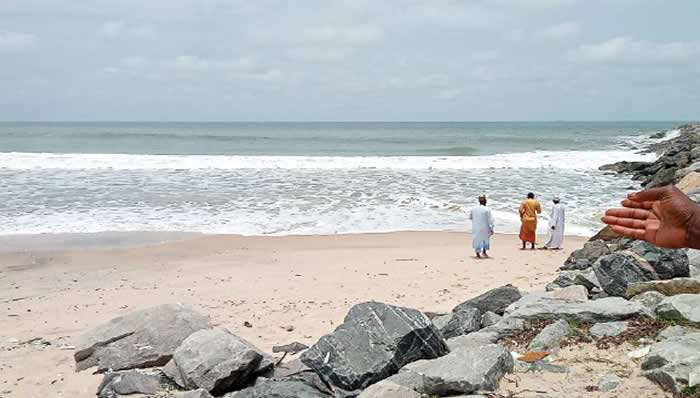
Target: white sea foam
576, 160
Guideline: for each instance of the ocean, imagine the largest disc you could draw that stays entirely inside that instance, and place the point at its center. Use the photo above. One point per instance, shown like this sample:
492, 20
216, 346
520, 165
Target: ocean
288, 178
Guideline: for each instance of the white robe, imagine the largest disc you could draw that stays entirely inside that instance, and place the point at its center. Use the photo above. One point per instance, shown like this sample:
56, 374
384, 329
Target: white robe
482, 227
555, 236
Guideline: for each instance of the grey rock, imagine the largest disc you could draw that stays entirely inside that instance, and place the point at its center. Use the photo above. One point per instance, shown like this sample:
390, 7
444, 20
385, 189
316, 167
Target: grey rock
538, 306
441, 321
215, 360
496, 300
132, 382
508, 326
650, 300
680, 307
387, 389
590, 252
550, 336
489, 319
615, 271
668, 263
199, 393
608, 383
468, 370
676, 331
670, 362
472, 340
694, 262
670, 287
695, 195
565, 279
587, 279
292, 348
465, 321
608, 329
411, 375
140, 339
288, 368
374, 342
575, 292
307, 385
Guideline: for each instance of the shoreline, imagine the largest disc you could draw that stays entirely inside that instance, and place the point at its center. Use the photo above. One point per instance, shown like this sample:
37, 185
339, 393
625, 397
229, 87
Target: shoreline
83, 241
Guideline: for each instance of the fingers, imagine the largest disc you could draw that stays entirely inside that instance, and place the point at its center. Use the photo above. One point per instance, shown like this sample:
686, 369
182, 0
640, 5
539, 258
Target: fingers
625, 222
637, 205
629, 232
649, 194
639, 214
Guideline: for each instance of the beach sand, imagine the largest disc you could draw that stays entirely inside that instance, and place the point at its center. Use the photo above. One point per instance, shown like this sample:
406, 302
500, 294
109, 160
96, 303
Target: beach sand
289, 288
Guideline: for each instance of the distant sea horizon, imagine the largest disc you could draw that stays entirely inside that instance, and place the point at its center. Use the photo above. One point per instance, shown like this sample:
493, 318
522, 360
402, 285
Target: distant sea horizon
320, 177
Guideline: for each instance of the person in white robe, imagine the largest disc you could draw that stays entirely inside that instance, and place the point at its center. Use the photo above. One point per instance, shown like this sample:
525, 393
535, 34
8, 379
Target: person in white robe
482, 227
555, 234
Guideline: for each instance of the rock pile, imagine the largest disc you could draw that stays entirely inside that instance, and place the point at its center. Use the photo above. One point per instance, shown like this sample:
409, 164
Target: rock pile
680, 156
381, 350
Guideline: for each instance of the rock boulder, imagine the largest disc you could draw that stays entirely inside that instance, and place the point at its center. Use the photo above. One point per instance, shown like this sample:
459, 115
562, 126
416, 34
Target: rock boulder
140, 339
374, 342
670, 362
550, 336
683, 307
615, 271
496, 300
669, 287
215, 360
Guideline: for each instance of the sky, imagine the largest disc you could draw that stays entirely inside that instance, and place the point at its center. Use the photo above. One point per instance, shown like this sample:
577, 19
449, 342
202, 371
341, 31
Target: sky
349, 60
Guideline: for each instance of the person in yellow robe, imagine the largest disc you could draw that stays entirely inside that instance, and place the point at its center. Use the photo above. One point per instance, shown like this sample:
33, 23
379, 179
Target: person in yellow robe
528, 215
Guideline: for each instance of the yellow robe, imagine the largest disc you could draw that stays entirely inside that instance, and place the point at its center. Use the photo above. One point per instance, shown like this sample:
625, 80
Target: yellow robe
528, 215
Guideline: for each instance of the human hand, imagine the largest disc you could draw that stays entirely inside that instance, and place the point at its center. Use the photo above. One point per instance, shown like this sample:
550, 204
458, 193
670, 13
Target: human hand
661, 216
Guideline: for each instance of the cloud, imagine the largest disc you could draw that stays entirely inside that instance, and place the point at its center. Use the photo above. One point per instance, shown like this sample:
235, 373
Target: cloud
16, 41
431, 80
134, 61
116, 30
188, 63
626, 49
558, 32
536, 3
449, 93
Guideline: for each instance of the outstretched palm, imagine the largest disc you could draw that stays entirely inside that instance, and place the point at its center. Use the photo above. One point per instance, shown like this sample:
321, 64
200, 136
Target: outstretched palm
660, 216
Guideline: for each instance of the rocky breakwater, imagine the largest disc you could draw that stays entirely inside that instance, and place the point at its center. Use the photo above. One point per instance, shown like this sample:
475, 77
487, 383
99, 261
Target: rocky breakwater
665, 282
679, 157
381, 350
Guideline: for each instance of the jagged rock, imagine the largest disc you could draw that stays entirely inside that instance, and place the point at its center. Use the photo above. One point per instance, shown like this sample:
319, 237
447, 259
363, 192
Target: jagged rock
590, 252
608, 329
550, 336
538, 306
374, 341
575, 292
564, 279
411, 375
547, 367
675, 331
306, 385
608, 383
615, 271
132, 382
606, 234
508, 326
684, 307
694, 263
215, 360
140, 339
669, 287
496, 300
668, 263
473, 340
671, 361
490, 318
598, 293
462, 322
650, 300
287, 369
468, 370
441, 321
387, 389
199, 393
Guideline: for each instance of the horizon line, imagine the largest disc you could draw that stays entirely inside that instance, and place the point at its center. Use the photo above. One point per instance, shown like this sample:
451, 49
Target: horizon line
360, 121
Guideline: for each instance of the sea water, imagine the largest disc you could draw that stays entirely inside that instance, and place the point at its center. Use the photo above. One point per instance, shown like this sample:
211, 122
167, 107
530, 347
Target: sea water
307, 178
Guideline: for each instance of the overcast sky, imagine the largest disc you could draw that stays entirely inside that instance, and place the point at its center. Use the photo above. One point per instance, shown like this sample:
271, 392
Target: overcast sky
349, 60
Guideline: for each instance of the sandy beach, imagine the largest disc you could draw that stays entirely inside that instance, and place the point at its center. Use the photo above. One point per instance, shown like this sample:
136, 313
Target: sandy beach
289, 288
